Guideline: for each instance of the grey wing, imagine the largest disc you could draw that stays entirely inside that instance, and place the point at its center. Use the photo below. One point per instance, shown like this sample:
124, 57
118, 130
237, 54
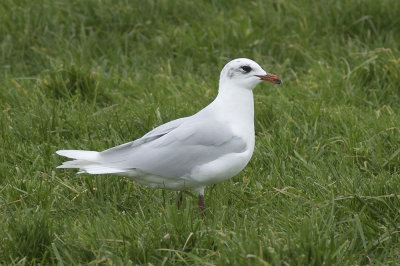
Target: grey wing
176, 154
150, 136
165, 128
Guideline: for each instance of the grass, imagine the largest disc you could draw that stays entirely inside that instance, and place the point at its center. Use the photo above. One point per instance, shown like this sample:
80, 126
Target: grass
323, 186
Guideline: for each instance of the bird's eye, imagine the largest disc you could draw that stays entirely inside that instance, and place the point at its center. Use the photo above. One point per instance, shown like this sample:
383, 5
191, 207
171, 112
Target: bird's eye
246, 69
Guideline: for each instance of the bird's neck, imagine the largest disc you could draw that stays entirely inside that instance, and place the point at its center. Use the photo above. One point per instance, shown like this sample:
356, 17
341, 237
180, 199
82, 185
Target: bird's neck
235, 104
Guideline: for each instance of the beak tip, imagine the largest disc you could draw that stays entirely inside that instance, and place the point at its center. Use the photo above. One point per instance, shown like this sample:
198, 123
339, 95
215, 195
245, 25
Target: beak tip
270, 78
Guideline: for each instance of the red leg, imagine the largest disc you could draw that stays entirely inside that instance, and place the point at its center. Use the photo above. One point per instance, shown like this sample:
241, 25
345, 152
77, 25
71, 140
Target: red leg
201, 205
180, 200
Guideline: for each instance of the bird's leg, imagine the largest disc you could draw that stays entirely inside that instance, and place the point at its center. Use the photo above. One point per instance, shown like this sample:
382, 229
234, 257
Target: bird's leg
201, 205
180, 200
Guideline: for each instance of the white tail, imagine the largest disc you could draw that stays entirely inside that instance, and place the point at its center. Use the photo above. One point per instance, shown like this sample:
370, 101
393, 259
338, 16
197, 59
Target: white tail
80, 155
87, 162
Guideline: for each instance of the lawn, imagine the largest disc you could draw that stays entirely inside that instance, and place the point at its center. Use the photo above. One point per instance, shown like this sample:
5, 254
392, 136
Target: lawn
323, 185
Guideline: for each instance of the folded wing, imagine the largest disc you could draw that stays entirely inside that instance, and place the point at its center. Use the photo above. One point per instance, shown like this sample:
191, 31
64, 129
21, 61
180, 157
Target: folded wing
171, 150
177, 152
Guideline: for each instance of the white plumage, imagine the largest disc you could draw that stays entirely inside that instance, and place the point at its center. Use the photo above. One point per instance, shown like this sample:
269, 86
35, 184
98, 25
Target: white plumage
192, 152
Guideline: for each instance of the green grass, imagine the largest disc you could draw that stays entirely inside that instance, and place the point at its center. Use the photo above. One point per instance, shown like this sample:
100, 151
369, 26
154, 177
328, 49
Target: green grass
323, 186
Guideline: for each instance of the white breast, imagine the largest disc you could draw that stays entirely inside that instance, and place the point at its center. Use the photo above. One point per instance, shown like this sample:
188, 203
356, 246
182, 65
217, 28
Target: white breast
234, 107
222, 168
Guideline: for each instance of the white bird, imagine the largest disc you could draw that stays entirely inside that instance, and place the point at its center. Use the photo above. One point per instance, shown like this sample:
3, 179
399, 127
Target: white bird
192, 152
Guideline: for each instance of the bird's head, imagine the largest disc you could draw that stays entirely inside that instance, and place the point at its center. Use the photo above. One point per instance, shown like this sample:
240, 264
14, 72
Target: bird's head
245, 73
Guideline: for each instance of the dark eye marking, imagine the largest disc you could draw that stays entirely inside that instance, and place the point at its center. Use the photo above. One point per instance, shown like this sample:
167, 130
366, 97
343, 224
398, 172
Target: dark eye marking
246, 69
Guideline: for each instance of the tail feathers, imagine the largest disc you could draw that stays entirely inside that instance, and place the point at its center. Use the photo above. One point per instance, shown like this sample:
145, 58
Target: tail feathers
98, 169
90, 167
87, 162
80, 155
75, 164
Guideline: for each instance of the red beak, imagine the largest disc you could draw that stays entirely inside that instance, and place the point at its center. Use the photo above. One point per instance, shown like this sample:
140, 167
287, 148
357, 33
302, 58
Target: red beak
270, 78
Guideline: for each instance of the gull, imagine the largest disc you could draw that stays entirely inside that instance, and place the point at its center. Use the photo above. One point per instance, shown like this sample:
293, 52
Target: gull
192, 152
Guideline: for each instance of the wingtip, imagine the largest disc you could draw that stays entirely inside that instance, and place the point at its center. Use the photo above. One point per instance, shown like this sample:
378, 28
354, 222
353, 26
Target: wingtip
79, 154
64, 153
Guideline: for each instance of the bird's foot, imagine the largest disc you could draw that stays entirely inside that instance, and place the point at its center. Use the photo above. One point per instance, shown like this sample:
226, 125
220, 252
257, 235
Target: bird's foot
202, 206
180, 200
